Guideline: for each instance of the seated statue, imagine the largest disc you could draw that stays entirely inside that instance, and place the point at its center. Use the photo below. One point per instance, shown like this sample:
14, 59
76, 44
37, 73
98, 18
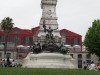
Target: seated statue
63, 49
36, 48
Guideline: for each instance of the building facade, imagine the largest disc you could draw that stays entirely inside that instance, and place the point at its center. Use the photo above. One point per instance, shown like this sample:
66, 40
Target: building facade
72, 38
10, 52
18, 36
25, 37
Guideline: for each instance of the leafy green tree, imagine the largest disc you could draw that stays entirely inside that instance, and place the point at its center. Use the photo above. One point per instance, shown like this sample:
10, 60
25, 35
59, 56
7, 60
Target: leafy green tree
6, 26
92, 38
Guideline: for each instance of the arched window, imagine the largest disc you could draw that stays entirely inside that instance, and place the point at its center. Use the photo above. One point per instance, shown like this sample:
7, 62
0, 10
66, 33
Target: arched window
15, 39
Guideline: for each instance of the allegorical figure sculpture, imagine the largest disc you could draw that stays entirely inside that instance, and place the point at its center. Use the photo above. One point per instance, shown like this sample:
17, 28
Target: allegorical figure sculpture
50, 45
36, 48
50, 34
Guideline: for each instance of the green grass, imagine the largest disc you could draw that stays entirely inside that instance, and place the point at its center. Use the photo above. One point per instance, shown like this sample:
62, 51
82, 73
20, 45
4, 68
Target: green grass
30, 71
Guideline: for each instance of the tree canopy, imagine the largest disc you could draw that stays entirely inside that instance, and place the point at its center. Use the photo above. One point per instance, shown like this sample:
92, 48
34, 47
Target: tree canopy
6, 26
92, 38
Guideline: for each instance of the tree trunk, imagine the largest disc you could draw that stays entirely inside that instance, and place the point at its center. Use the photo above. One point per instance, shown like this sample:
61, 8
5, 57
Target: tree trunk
5, 45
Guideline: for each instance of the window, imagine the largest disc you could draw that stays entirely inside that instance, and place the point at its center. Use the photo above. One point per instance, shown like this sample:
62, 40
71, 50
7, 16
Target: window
88, 61
79, 60
16, 40
8, 55
79, 56
79, 63
2, 38
75, 41
28, 40
71, 55
88, 56
0, 55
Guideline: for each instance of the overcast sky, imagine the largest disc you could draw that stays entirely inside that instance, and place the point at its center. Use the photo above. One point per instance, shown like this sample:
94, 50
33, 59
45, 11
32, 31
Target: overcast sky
74, 15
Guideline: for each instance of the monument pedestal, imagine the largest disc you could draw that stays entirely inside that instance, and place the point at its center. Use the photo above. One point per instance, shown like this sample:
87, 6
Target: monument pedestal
48, 60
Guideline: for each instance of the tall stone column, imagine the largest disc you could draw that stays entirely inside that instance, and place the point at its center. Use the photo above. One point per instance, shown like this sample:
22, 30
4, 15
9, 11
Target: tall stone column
49, 15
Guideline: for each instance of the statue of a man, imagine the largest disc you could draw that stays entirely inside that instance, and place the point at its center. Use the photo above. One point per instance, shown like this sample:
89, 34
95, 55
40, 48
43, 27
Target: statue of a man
49, 35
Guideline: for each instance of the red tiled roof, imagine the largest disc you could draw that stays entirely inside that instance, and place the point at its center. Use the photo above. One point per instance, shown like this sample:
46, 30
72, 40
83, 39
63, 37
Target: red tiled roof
35, 30
69, 33
18, 31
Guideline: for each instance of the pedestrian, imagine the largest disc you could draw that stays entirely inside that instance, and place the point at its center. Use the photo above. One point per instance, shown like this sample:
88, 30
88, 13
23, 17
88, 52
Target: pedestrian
98, 66
85, 66
92, 66
3, 63
8, 62
13, 64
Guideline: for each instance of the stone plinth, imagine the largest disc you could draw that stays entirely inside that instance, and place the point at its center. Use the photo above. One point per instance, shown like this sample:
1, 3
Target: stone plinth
48, 60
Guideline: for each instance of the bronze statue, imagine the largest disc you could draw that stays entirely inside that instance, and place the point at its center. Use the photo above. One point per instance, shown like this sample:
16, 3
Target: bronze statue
36, 48
50, 45
49, 35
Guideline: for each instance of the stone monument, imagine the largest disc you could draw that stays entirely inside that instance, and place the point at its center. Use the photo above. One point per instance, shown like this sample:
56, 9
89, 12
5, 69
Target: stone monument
49, 18
49, 50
